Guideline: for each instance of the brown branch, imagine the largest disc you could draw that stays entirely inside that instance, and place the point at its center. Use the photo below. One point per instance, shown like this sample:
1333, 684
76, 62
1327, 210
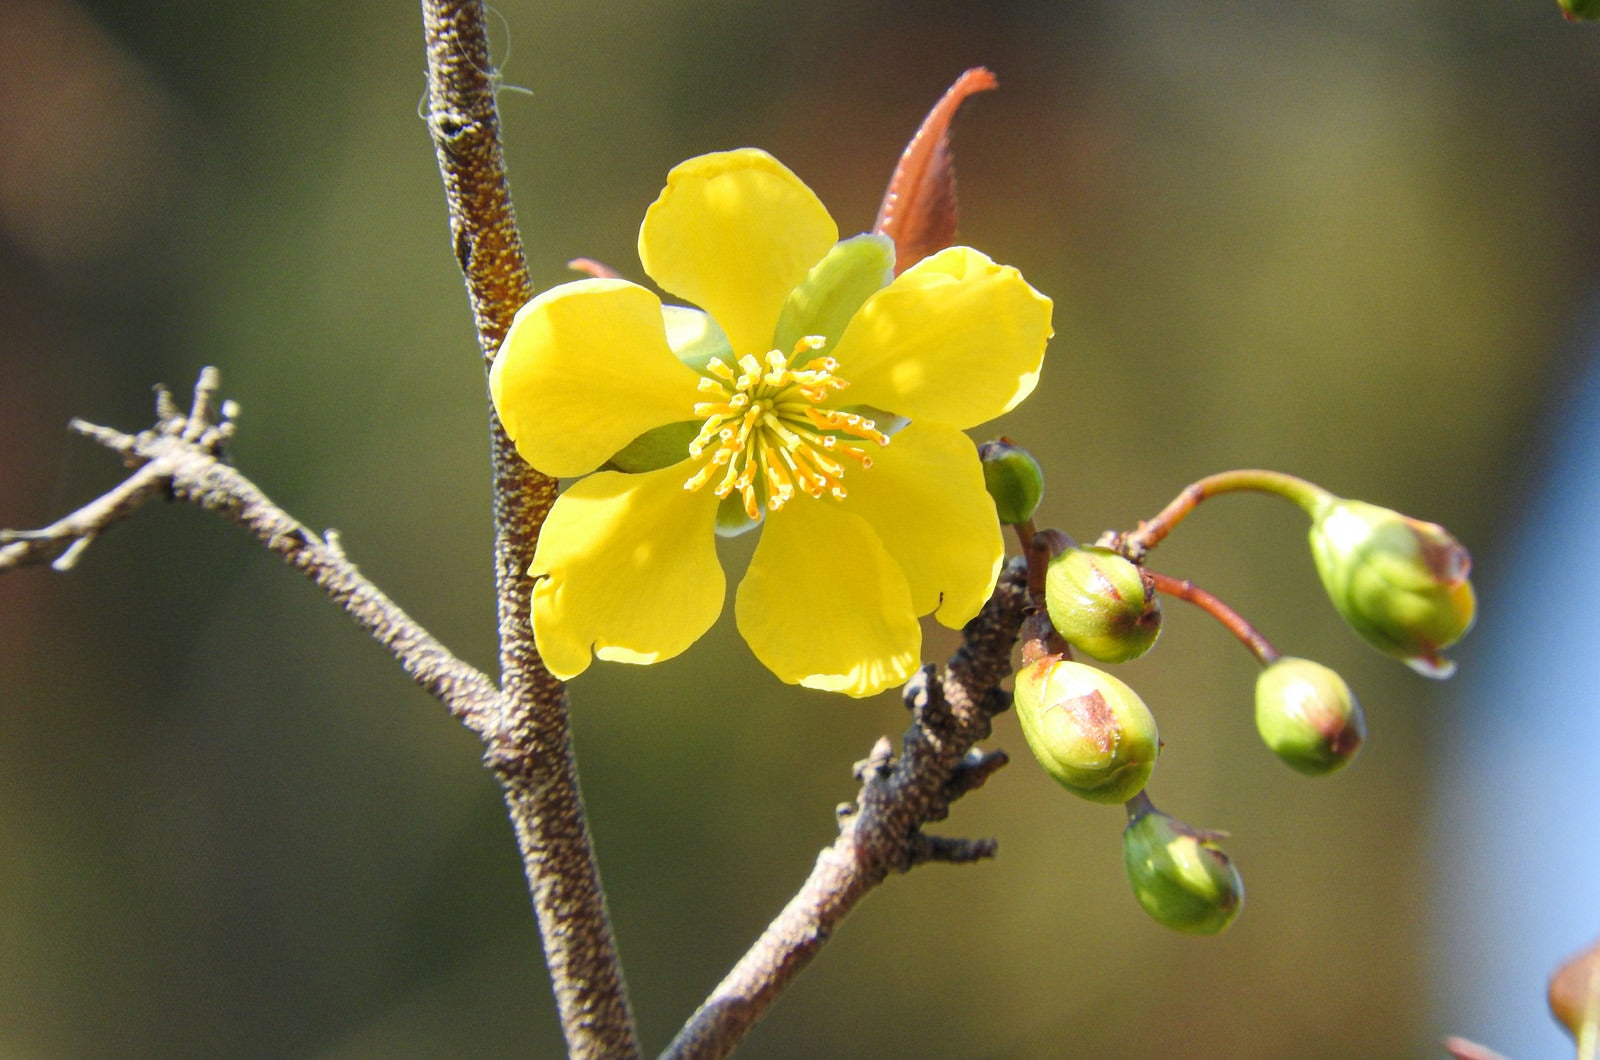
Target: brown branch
532, 754
182, 457
882, 831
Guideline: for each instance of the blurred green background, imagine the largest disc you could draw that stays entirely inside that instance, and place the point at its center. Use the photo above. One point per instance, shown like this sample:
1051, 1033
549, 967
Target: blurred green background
1349, 239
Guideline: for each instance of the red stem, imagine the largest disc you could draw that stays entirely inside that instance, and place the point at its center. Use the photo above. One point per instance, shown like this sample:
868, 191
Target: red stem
1231, 619
1152, 532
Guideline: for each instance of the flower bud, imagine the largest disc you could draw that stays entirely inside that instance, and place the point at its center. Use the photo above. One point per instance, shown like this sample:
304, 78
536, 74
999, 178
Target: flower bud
1180, 875
1102, 604
1398, 582
1014, 480
1091, 732
1308, 716
1575, 996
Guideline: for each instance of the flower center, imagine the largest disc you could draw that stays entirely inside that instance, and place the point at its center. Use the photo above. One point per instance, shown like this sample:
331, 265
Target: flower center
767, 434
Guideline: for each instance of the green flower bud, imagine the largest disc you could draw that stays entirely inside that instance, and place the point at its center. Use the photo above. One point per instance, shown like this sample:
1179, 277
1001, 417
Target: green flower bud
1180, 875
1091, 732
1102, 604
1014, 480
1580, 10
1398, 582
1308, 716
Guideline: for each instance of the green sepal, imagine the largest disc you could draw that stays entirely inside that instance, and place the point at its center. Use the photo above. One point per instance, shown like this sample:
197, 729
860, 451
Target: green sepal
732, 520
833, 290
656, 448
695, 337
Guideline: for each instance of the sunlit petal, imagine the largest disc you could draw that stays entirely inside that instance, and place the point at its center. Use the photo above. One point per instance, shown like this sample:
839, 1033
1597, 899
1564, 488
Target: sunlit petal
925, 497
824, 604
583, 371
955, 339
627, 568
734, 233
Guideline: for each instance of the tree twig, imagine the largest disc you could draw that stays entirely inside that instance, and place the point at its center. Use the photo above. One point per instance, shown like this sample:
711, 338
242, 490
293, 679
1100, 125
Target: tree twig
882, 831
532, 754
182, 457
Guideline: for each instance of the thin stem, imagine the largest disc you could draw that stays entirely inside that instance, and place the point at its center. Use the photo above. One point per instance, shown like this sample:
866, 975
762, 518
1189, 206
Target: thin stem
1152, 532
1044, 546
1025, 532
532, 754
1234, 622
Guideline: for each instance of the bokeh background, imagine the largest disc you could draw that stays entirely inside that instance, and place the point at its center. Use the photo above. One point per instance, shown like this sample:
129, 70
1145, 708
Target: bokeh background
1357, 241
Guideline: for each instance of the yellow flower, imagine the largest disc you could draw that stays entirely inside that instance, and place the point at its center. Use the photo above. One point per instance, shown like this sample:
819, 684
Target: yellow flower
778, 405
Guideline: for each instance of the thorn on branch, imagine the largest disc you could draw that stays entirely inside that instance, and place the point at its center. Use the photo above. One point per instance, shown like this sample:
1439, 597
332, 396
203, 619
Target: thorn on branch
114, 440
69, 558
925, 848
203, 412
166, 408
930, 711
974, 770
915, 694
878, 763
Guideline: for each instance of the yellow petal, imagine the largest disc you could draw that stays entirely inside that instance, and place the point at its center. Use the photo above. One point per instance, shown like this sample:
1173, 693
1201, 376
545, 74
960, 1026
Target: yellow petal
584, 370
628, 569
734, 233
925, 497
824, 605
955, 339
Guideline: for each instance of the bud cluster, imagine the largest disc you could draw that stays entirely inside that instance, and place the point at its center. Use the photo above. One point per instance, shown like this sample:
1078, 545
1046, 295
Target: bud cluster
1400, 583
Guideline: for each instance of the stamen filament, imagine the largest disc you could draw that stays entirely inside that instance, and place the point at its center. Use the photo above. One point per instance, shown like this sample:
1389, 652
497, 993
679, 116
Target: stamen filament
766, 434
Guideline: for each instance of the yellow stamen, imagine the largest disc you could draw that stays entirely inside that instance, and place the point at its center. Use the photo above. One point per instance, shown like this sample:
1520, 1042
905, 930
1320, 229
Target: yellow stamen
766, 434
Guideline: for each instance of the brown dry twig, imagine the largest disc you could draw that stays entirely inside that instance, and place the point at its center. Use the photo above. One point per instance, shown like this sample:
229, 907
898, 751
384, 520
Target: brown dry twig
182, 457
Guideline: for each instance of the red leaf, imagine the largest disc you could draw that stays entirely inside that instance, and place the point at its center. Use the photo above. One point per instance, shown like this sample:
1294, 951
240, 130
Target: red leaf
919, 207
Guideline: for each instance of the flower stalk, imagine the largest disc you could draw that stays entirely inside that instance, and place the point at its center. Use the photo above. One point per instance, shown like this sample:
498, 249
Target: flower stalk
1232, 621
1307, 495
